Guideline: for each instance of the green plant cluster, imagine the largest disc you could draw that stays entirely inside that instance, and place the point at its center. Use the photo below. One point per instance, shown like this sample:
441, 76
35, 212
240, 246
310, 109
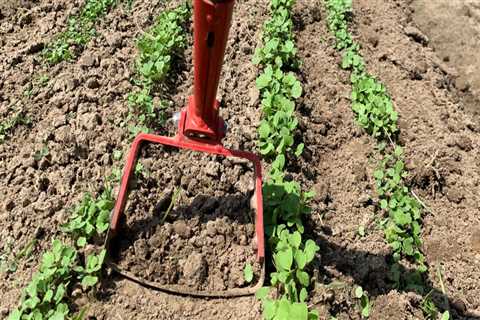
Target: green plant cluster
91, 217
285, 204
46, 296
278, 42
157, 48
339, 12
80, 29
364, 302
403, 228
374, 112
372, 106
6, 126
278, 87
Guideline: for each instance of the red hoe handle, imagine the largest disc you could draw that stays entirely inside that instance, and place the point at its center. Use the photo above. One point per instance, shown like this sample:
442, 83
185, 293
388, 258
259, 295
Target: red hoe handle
212, 21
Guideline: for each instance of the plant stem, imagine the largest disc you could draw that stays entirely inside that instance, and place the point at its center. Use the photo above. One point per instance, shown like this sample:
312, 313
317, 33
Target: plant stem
176, 192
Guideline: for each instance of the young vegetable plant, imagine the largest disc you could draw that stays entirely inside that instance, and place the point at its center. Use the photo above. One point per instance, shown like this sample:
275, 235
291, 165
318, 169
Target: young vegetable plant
80, 29
7, 126
285, 203
89, 275
157, 49
403, 227
284, 309
91, 217
374, 112
290, 258
44, 297
248, 273
364, 302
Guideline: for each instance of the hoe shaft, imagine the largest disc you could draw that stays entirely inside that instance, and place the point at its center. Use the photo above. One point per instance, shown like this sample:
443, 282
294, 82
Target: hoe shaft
212, 21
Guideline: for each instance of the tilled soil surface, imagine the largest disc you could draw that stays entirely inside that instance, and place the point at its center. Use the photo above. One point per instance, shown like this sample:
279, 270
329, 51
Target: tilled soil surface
207, 237
454, 32
78, 117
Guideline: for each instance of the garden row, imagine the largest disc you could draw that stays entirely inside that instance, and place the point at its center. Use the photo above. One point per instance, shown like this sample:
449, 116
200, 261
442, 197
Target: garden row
285, 203
72, 264
65, 46
374, 112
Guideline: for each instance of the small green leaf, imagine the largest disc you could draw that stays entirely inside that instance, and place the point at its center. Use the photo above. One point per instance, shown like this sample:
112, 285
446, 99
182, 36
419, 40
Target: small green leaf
262, 293
446, 315
303, 295
269, 309
295, 239
378, 174
303, 278
81, 242
248, 273
89, 281
15, 315
296, 90
361, 231
298, 311
284, 259
300, 259
358, 292
299, 150
48, 296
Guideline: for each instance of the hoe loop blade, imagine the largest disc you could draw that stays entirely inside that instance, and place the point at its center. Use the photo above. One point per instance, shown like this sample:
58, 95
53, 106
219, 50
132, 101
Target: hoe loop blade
183, 142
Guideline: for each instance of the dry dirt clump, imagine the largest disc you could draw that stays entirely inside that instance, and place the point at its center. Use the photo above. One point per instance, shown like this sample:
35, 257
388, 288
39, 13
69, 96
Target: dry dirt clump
77, 110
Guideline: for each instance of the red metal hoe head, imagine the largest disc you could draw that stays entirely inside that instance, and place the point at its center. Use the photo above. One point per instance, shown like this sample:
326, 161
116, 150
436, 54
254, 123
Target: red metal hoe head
200, 129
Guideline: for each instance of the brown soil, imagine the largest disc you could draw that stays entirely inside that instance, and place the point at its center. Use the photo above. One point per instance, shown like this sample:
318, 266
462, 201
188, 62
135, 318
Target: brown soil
454, 32
78, 115
206, 239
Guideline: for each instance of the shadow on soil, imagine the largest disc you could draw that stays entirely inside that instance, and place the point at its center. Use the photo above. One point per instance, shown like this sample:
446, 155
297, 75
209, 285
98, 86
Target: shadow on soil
378, 275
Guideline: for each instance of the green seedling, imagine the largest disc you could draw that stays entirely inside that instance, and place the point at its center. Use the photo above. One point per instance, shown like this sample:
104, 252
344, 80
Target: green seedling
173, 201
80, 29
91, 217
290, 258
284, 308
248, 273
117, 155
7, 126
365, 306
276, 130
89, 275
338, 13
139, 169
285, 203
42, 153
402, 229
157, 49
43, 80
361, 231
116, 175
44, 296
6, 263
375, 113
428, 307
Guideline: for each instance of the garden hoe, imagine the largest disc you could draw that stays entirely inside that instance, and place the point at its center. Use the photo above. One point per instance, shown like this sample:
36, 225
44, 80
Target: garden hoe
200, 128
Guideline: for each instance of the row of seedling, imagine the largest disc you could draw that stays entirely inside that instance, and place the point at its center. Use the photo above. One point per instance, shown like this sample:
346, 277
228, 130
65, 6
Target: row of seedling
67, 264
80, 29
157, 49
374, 112
285, 204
